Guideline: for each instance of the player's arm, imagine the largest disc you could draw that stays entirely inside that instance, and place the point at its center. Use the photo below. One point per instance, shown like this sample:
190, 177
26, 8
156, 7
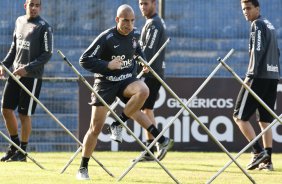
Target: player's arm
259, 44
139, 52
152, 38
91, 58
10, 57
46, 50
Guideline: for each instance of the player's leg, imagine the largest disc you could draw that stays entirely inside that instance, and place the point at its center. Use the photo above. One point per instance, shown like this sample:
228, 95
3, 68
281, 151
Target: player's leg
133, 93
264, 121
164, 143
10, 101
98, 117
148, 109
245, 107
26, 109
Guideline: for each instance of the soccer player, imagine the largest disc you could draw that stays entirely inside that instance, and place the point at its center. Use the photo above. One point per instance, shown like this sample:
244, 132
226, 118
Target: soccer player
31, 49
153, 36
262, 77
110, 57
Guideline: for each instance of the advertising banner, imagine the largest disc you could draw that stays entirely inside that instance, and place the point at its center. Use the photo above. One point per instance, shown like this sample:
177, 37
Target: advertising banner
213, 106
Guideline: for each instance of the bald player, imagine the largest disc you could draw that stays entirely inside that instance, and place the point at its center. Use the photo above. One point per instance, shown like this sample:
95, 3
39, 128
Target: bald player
110, 58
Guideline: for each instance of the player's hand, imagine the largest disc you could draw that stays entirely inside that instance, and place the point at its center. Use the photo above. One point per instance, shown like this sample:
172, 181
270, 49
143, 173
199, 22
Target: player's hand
20, 72
115, 64
145, 69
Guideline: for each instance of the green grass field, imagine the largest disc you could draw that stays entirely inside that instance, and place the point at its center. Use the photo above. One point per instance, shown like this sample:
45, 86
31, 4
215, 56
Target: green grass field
187, 167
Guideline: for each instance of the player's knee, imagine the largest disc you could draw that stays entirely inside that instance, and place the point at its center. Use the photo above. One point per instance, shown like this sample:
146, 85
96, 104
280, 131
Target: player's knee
94, 130
6, 112
144, 92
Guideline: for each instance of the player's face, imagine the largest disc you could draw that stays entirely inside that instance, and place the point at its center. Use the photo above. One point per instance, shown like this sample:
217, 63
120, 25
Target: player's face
32, 8
147, 7
125, 23
250, 12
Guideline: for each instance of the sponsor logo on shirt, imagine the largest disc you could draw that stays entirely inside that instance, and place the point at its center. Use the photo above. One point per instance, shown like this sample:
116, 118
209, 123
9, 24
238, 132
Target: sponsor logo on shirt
95, 51
134, 43
258, 40
119, 78
153, 38
125, 63
46, 41
23, 44
268, 24
272, 68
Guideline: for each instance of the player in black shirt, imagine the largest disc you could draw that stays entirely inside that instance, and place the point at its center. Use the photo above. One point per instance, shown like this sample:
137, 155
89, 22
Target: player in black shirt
30, 51
110, 57
262, 77
153, 36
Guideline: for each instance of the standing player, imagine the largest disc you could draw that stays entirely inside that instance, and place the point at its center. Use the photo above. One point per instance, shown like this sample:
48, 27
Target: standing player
30, 51
153, 36
262, 77
110, 57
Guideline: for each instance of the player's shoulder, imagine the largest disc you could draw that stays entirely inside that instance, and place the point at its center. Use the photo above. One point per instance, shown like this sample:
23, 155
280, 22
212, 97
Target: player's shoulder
108, 33
155, 22
260, 23
21, 19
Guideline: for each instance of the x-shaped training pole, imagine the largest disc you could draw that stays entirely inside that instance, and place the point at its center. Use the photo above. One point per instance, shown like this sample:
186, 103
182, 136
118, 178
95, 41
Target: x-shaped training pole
277, 119
82, 79
193, 115
48, 112
114, 105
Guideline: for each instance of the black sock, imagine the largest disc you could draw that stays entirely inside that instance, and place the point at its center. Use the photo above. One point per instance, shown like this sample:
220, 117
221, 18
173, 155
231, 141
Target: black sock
155, 132
152, 149
123, 117
16, 140
24, 145
269, 152
84, 162
257, 147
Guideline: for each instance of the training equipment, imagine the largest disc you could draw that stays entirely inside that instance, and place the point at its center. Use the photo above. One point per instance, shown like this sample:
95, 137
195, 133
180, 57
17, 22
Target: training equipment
21, 150
48, 112
277, 119
192, 114
114, 105
82, 79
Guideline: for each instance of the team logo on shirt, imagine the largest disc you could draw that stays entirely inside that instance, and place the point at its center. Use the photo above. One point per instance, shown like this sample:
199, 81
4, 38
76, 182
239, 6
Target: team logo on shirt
134, 43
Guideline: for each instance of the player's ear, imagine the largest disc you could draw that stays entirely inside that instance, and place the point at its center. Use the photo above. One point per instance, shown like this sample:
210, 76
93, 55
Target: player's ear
117, 19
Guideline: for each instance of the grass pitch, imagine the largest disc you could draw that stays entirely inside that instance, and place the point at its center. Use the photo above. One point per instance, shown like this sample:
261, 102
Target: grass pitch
187, 167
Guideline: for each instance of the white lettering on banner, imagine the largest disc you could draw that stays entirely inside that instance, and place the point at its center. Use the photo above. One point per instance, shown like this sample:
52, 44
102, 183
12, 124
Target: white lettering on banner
162, 97
184, 129
276, 136
202, 103
225, 136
